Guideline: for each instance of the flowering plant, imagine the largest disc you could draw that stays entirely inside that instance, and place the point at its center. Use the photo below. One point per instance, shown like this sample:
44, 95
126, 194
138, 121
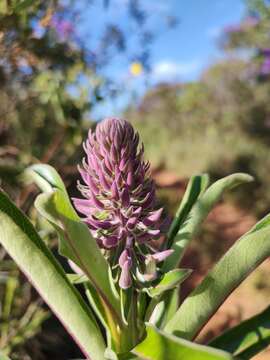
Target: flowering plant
131, 309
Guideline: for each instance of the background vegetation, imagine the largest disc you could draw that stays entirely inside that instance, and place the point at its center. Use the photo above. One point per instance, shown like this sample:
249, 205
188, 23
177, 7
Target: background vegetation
50, 83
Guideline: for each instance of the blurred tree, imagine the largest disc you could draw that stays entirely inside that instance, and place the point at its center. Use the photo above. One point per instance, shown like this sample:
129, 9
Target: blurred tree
220, 123
51, 78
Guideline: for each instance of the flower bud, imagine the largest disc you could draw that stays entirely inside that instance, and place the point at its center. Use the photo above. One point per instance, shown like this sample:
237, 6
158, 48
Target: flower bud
119, 202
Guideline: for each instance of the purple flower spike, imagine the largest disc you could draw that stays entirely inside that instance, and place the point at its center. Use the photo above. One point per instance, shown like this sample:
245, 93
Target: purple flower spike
119, 205
160, 256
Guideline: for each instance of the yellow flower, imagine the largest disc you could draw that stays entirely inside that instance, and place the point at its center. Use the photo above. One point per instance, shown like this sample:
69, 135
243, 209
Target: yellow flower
136, 68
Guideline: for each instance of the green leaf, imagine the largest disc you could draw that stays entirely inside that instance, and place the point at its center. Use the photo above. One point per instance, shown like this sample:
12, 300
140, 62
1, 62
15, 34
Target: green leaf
196, 186
77, 244
243, 257
169, 281
198, 214
45, 176
248, 338
171, 303
24, 245
75, 240
168, 305
164, 295
159, 346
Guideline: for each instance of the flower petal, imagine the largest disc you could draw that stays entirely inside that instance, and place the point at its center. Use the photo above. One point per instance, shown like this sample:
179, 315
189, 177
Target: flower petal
125, 280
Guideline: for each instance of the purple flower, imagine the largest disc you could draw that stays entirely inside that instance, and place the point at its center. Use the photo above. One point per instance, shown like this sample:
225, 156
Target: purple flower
265, 52
265, 67
64, 28
119, 199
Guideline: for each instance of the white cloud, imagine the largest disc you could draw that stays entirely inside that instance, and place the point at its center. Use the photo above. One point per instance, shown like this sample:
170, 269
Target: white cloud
168, 70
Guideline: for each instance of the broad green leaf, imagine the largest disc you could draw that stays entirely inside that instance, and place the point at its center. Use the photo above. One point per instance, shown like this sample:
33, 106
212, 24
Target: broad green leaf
169, 281
248, 338
196, 186
243, 257
199, 207
59, 211
24, 245
77, 244
171, 305
198, 214
261, 224
45, 176
160, 346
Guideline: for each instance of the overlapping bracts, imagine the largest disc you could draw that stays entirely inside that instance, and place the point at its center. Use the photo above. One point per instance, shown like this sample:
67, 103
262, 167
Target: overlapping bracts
119, 197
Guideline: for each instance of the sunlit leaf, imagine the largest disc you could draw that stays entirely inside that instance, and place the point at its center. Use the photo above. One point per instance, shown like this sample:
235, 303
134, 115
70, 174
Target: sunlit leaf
196, 186
24, 245
160, 346
243, 257
198, 214
77, 244
169, 281
45, 177
75, 240
161, 310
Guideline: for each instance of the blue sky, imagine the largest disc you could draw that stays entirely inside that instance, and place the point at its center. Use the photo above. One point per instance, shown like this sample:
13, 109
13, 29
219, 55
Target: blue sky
178, 54
193, 44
